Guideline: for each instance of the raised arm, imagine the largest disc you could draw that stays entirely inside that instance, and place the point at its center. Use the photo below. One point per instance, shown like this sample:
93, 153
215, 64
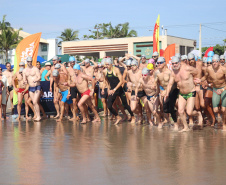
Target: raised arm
94, 63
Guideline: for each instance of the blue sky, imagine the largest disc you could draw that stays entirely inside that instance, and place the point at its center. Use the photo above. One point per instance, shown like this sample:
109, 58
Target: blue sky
52, 17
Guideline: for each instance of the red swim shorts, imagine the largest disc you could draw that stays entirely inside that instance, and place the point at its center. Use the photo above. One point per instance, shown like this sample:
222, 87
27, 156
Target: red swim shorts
21, 90
86, 93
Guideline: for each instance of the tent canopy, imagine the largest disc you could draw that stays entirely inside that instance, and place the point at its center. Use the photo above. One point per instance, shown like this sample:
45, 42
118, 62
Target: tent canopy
40, 59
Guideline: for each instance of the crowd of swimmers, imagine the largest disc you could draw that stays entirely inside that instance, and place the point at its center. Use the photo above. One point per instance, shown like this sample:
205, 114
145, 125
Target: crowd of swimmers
190, 94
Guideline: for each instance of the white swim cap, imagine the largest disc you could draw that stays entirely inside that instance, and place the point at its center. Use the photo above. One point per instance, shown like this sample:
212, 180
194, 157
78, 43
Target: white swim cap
161, 59
145, 71
215, 58
57, 66
55, 73
108, 61
175, 59
155, 53
29, 59
184, 57
191, 56
134, 62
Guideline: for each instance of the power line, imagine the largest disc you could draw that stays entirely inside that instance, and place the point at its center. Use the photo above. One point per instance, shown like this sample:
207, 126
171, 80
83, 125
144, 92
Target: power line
214, 29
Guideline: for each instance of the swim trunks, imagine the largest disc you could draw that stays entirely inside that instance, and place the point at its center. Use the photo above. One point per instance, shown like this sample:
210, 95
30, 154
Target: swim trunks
64, 97
105, 95
149, 97
216, 98
161, 88
75, 93
21, 90
86, 93
36, 88
139, 94
10, 88
189, 95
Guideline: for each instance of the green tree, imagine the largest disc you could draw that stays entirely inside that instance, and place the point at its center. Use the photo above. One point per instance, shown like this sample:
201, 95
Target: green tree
106, 30
68, 35
9, 38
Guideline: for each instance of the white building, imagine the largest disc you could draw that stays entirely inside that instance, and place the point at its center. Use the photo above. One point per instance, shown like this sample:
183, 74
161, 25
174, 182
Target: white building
48, 48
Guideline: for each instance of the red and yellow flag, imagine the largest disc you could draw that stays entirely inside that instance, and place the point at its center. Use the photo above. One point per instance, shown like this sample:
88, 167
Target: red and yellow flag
156, 36
168, 54
27, 47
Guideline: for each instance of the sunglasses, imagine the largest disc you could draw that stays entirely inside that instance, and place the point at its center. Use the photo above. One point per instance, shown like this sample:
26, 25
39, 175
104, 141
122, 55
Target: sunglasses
154, 57
190, 59
144, 75
160, 62
134, 65
29, 61
209, 62
128, 66
175, 63
215, 61
21, 65
222, 59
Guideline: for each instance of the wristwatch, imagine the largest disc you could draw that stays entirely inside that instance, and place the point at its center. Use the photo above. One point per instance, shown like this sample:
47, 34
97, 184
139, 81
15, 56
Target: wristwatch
114, 89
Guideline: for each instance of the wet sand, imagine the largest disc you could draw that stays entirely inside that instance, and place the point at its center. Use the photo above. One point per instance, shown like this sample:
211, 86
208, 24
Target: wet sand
48, 152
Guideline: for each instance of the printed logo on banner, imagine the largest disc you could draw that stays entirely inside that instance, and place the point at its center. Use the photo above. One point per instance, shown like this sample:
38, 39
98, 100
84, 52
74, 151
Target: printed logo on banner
47, 96
27, 52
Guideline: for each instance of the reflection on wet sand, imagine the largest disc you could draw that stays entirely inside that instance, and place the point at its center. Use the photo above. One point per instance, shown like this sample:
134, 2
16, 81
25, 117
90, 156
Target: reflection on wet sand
48, 152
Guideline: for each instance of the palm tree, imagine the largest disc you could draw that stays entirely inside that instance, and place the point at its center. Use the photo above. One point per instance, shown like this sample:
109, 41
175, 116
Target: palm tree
69, 35
9, 38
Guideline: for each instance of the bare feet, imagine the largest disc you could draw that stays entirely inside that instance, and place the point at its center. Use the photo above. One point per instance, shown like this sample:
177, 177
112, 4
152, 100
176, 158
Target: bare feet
160, 125
133, 120
59, 120
200, 119
96, 120
18, 118
28, 118
37, 119
176, 127
34, 117
185, 130
151, 123
125, 117
83, 121
112, 117
57, 116
73, 119
118, 119
88, 119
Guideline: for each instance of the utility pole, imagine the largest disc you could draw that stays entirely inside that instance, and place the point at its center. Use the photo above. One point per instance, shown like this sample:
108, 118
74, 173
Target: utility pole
200, 40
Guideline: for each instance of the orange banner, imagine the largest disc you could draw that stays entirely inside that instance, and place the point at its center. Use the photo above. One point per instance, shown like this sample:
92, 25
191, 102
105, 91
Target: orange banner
27, 47
168, 54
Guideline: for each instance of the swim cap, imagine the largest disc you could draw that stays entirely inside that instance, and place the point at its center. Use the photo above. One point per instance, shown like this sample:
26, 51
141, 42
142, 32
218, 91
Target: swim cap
204, 59
184, 57
222, 57
55, 58
151, 60
29, 59
71, 59
215, 57
150, 66
120, 58
161, 59
55, 73
209, 59
155, 53
102, 62
21, 64
21, 69
128, 63
134, 62
210, 54
191, 56
178, 55
145, 71
143, 56
57, 66
108, 61
87, 60
175, 59
77, 66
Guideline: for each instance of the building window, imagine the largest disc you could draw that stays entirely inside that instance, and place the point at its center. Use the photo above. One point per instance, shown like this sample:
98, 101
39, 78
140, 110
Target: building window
189, 49
182, 50
44, 57
44, 47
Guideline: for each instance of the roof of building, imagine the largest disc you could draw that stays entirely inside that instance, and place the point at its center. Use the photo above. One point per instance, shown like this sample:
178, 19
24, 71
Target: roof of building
25, 34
